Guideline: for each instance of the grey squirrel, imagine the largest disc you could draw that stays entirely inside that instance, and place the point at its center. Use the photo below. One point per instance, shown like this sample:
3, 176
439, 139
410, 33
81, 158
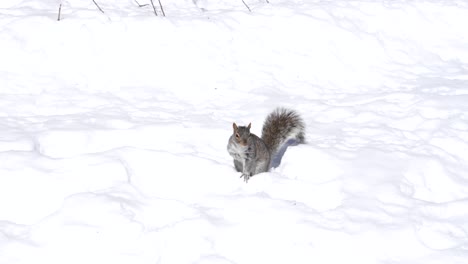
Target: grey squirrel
253, 155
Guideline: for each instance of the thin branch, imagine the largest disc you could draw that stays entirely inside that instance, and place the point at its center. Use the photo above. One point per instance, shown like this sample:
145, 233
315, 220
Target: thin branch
139, 5
59, 12
246, 6
162, 9
154, 8
267, 1
98, 6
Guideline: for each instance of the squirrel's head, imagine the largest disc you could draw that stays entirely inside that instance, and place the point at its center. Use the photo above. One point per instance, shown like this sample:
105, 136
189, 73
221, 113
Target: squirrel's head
241, 133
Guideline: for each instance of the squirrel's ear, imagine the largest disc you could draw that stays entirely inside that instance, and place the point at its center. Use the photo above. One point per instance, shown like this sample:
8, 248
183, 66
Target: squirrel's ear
250, 124
234, 126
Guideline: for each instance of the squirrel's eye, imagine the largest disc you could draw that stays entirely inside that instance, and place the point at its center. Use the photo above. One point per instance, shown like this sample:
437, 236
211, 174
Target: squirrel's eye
237, 135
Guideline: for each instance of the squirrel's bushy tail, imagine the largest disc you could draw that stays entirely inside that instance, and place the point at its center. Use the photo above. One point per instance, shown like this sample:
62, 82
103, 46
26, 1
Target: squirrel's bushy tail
280, 126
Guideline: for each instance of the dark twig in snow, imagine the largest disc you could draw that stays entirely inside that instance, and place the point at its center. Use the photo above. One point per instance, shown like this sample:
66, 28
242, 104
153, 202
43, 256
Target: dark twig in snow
98, 6
162, 9
139, 5
246, 6
154, 8
59, 12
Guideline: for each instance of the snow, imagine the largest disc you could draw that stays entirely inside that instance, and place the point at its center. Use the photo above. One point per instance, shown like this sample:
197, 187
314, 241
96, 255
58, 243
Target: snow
114, 126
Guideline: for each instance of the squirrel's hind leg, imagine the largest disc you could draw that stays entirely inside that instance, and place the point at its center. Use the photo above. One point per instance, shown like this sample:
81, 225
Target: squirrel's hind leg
262, 166
238, 165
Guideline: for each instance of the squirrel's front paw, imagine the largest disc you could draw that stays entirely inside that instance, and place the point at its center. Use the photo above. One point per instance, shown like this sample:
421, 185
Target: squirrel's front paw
246, 176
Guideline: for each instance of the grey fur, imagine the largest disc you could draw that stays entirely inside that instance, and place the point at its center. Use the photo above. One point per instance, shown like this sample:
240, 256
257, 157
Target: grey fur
253, 155
281, 125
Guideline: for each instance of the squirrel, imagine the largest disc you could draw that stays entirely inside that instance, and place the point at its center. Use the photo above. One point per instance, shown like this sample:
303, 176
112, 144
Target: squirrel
253, 155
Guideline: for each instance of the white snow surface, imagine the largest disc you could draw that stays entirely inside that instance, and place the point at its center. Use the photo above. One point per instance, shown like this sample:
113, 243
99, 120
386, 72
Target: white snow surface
114, 126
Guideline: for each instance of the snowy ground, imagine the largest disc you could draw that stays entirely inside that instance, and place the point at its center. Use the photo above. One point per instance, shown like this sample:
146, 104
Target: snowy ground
114, 126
